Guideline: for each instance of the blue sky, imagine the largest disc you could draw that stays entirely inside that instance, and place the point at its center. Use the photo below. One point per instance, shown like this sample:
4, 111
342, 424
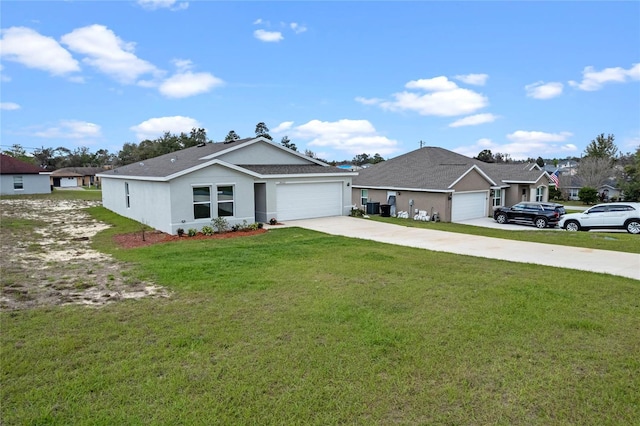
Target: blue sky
526, 79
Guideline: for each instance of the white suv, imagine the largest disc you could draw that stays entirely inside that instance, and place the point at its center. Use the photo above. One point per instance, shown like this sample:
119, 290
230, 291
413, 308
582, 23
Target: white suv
604, 216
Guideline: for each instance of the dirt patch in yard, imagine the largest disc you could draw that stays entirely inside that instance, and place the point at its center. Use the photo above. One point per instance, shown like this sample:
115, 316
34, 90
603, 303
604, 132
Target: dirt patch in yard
47, 258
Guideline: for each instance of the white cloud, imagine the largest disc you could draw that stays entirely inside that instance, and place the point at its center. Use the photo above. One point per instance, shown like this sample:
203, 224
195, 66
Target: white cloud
368, 101
474, 120
436, 84
160, 4
523, 145
348, 136
268, 36
594, 80
523, 136
71, 129
297, 28
183, 85
155, 127
542, 90
444, 99
33, 50
108, 53
9, 106
475, 79
282, 127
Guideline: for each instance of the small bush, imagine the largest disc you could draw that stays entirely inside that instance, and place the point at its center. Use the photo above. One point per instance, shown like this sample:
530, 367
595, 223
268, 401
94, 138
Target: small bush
220, 224
588, 195
235, 228
357, 212
253, 227
180, 232
207, 230
273, 221
260, 225
192, 232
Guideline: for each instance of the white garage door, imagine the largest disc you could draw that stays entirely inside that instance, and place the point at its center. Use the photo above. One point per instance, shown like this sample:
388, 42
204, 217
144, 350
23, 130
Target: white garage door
470, 205
308, 200
68, 182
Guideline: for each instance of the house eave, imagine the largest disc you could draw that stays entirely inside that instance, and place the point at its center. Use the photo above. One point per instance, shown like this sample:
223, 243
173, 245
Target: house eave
398, 188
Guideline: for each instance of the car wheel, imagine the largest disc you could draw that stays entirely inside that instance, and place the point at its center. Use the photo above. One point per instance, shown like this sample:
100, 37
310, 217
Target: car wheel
572, 225
501, 218
633, 226
540, 222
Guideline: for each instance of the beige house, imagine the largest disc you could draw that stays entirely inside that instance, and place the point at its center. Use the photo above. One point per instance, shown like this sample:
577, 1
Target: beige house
452, 185
69, 177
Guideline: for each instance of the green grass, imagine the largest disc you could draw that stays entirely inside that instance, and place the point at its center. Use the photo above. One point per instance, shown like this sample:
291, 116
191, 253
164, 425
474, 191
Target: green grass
299, 327
615, 241
62, 194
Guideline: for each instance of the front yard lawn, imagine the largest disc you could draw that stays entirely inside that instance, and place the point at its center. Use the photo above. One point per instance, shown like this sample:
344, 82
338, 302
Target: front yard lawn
299, 327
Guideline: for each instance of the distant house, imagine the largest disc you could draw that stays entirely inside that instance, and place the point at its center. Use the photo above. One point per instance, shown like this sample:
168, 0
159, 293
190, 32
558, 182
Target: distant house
19, 177
570, 187
457, 187
70, 177
252, 180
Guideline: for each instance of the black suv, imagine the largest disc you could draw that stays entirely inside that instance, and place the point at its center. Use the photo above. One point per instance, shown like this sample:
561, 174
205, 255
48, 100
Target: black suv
531, 213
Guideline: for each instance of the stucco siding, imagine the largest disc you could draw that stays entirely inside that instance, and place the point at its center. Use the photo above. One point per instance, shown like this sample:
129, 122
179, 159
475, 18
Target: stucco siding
262, 153
214, 176
472, 181
149, 202
31, 184
430, 201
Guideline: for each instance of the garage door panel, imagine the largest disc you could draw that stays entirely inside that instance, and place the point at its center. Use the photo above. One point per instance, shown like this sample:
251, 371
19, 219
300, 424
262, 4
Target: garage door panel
309, 200
470, 205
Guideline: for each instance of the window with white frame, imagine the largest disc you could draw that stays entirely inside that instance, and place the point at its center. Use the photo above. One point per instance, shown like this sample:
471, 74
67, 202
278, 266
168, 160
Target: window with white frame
225, 200
573, 193
201, 202
18, 183
364, 197
540, 194
497, 197
127, 199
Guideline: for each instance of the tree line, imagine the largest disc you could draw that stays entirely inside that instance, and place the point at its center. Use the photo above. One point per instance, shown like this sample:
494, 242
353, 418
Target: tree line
61, 157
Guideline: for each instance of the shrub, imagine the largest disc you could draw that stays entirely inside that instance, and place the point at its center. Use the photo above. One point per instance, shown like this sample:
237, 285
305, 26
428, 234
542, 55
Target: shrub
260, 225
207, 230
253, 227
273, 221
180, 232
235, 228
357, 212
220, 224
588, 195
192, 232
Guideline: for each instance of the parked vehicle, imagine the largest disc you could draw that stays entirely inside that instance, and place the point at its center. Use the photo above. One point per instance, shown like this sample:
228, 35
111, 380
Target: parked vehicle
538, 214
605, 216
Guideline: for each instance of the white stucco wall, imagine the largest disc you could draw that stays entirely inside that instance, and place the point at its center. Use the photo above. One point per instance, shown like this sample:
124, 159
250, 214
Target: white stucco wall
182, 197
31, 184
262, 153
149, 202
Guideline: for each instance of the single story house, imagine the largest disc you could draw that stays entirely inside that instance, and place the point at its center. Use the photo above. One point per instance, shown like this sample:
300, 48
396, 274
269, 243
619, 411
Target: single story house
452, 185
251, 180
570, 187
19, 177
71, 177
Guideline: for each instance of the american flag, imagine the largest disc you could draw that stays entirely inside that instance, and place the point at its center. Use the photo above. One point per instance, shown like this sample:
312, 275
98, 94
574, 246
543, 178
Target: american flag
554, 178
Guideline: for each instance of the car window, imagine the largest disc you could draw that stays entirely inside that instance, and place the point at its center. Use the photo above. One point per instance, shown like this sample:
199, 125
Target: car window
620, 208
598, 209
518, 207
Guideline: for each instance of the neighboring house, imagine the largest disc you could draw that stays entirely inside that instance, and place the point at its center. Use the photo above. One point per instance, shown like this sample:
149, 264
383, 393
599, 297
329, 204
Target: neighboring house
571, 185
19, 177
456, 187
250, 180
70, 177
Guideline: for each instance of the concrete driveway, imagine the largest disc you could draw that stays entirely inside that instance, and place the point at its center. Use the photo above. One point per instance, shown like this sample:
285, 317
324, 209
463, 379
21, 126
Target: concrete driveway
604, 261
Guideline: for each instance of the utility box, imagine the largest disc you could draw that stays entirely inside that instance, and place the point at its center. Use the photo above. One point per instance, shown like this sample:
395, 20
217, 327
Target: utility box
373, 208
385, 210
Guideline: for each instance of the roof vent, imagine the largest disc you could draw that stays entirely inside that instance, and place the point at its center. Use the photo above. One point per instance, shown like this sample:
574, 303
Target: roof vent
201, 144
141, 163
173, 160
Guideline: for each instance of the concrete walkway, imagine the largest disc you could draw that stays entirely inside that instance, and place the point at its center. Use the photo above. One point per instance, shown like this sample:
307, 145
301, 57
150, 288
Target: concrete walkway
605, 261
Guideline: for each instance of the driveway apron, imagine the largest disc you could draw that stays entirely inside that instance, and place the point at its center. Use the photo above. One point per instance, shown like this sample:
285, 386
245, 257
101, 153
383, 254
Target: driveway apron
584, 259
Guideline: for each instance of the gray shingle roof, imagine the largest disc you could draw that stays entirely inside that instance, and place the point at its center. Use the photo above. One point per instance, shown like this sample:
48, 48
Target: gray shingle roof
436, 169
185, 159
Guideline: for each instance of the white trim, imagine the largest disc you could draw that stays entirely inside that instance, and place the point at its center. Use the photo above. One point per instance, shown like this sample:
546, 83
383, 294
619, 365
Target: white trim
394, 188
483, 174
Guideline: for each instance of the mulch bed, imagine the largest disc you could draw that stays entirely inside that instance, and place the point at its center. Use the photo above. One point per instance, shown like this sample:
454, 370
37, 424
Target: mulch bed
134, 239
